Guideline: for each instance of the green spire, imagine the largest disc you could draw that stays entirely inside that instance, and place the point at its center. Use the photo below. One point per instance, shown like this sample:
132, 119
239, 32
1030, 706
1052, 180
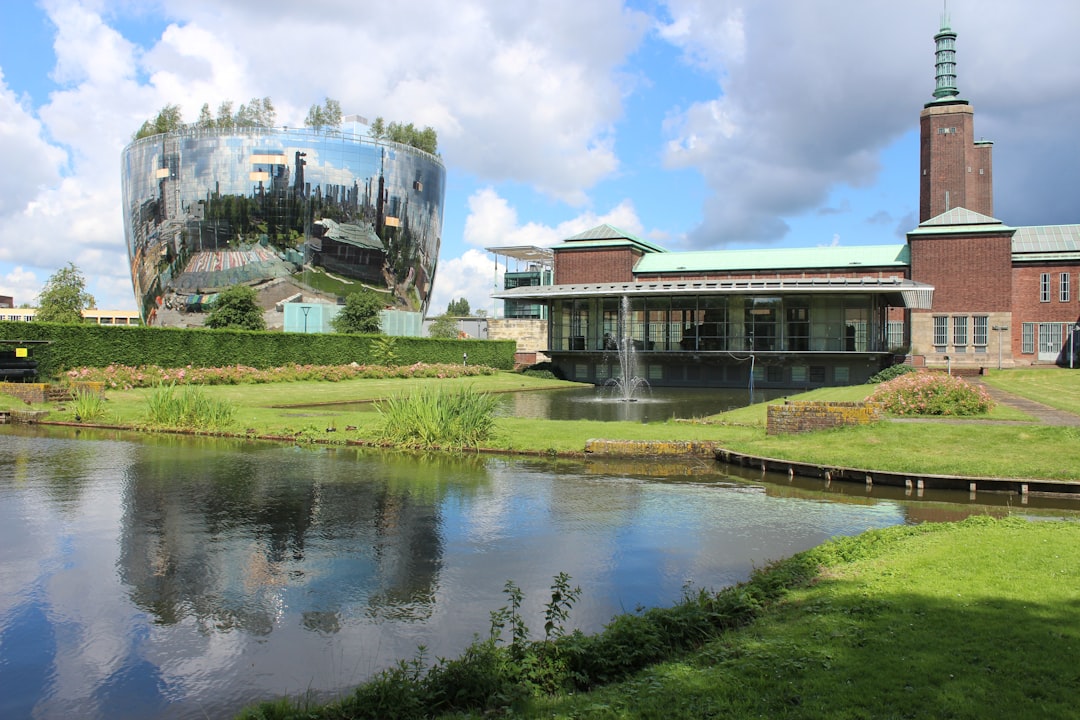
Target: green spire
945, 60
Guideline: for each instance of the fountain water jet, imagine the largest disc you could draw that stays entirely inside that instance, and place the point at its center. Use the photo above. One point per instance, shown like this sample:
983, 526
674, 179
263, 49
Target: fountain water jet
626, 386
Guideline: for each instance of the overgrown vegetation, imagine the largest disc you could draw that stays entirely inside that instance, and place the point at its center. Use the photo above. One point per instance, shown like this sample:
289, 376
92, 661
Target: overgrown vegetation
126, 377
893, 371
434, 417
188, 408
932, 393
88, 407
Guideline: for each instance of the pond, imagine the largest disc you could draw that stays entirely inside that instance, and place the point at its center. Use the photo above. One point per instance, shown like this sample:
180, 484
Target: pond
167, 576
599, 403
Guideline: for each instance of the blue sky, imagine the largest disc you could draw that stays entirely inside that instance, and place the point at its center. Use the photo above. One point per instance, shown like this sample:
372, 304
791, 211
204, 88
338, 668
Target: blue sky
699, 124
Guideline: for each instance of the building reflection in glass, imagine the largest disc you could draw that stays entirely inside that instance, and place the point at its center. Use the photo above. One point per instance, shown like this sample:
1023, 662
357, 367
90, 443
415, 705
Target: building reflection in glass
295, 213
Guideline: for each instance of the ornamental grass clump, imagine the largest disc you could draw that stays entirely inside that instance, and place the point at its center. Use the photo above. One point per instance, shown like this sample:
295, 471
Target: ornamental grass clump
932, 393
188, 408
433, 417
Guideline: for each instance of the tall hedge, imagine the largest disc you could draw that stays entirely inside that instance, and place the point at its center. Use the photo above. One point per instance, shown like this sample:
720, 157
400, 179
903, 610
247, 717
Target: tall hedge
101, 345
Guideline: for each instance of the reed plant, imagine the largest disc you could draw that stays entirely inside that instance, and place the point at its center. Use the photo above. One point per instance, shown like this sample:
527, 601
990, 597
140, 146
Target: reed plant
188, 408
89, 407
435, 417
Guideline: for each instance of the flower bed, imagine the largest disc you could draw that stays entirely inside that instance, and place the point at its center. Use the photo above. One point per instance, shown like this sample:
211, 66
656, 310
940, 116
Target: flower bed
127, 377
932, 393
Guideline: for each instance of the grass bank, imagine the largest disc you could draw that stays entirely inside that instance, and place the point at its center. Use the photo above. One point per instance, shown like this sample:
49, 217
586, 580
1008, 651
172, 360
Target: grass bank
978, 619
1015, 447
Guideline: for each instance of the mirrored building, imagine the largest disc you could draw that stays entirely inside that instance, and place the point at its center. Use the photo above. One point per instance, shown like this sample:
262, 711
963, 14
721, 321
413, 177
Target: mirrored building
298, 214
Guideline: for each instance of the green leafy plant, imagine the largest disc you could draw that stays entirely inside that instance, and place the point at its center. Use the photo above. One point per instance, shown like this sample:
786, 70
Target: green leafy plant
188, 408
432, 417
932, 393
893, 371
88, 407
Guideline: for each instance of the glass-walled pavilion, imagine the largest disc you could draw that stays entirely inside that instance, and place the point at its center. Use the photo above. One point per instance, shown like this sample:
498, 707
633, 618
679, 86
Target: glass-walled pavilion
790, 333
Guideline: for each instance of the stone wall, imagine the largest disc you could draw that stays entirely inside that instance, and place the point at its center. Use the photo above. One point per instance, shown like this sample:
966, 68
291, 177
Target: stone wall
44, 392
804, 416
531, 335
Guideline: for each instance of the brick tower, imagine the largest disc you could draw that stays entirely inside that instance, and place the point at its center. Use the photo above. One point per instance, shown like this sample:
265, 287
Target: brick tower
955, 169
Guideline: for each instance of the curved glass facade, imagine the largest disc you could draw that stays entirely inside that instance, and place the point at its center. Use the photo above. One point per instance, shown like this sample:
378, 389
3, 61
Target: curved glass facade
296, 213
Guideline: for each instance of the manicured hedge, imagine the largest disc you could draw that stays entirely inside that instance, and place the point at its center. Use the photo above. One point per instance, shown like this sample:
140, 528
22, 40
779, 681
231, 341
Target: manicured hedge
102, 345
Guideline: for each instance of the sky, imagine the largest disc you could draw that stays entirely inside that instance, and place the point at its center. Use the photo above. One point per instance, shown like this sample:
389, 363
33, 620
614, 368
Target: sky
696, 124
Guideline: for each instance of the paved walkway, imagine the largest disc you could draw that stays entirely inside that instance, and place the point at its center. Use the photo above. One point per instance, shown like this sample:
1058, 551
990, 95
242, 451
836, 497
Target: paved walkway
1043, 413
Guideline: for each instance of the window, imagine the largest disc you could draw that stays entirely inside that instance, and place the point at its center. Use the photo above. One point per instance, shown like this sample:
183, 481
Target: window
979, 327
941, 331
894, 334
1027, 338
960, 332
1063, 288
1044, 287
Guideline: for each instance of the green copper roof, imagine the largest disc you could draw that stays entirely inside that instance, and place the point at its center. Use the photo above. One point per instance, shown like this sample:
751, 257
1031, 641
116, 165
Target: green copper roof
816, 258
1047, 239
960, 221
608, 236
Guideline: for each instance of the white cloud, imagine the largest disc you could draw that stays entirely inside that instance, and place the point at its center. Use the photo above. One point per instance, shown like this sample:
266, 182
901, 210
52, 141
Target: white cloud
811, 93
493, 222
24, 148
20, 284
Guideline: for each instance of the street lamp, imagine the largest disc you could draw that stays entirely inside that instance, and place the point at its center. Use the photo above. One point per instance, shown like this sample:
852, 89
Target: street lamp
1000, 329
306, 309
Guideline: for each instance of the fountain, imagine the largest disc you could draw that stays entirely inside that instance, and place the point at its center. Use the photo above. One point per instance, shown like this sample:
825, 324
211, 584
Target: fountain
626, 386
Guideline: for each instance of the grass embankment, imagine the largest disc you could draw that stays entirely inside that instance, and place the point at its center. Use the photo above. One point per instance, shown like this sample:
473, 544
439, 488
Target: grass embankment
1022, 448
1058, 388
979, 619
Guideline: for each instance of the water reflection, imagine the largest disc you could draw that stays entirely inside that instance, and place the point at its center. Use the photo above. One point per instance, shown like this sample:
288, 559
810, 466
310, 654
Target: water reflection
179, 577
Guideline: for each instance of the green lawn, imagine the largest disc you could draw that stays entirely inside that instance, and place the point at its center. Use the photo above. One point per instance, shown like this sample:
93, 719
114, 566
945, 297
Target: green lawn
1020, 448
1057, 387
972, 620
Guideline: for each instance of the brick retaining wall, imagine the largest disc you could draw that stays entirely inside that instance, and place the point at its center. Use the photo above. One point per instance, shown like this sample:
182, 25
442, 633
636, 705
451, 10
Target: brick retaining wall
804, 416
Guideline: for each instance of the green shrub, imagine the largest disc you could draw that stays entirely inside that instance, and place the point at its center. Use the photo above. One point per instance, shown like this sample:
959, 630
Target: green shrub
88, 407
932, 393
893, 371
90, 345
433, 417
188, 408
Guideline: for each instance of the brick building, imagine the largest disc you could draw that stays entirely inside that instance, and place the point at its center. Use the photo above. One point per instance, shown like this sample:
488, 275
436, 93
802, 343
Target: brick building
964, 291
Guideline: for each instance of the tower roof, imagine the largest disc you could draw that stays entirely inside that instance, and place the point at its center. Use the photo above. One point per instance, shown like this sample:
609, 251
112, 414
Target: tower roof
945, 89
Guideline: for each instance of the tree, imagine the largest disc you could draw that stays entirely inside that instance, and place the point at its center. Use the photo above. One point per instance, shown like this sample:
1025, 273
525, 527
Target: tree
444, 326
167, 120
460, 308
327, 115
360, 314
426, 139
236, 307
64, 297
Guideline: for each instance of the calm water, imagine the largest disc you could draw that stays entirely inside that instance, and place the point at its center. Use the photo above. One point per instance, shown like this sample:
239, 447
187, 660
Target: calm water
598, 403
173, 577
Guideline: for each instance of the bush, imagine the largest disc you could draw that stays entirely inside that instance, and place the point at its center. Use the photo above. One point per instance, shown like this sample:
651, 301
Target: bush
188, 409
126, 377
433, 417
893, 371
927, 393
